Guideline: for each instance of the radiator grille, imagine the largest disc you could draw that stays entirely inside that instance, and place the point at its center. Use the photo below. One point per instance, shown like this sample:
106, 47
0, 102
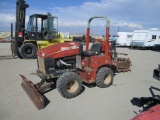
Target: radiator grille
41, 64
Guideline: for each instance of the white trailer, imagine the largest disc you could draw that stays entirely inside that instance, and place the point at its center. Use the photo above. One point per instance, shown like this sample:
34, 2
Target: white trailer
124, 38
146, 38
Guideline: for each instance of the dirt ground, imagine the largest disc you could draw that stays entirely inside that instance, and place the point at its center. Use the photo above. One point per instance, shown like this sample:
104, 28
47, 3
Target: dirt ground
112, 103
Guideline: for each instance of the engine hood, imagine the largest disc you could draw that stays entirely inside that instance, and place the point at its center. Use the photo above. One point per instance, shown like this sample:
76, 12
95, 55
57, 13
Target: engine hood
60, 50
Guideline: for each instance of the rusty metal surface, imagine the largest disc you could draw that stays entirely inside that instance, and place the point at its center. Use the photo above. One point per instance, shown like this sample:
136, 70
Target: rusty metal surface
123, 64
33, 93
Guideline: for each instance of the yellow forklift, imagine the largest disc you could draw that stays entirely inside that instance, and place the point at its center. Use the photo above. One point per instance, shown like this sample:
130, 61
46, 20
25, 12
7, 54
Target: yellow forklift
42, 31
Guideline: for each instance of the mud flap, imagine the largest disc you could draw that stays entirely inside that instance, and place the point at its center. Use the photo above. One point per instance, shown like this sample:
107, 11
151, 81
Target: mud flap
33, 93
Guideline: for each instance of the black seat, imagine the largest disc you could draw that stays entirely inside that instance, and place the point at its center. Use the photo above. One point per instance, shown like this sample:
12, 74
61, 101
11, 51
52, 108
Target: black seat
94, 50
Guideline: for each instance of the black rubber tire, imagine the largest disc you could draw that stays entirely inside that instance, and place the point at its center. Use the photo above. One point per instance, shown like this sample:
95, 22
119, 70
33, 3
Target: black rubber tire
101, 80
63, 84
28, 47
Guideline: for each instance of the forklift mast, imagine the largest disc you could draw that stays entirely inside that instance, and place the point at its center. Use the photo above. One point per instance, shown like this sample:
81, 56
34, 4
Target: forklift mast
20, 21
19, 27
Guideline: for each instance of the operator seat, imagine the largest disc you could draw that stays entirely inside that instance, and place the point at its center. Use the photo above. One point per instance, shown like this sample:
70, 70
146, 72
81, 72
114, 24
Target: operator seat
44, 31
94, 50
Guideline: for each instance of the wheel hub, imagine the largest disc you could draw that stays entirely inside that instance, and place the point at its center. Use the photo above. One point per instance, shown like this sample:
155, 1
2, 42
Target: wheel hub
107, 79
72, 86
28, 50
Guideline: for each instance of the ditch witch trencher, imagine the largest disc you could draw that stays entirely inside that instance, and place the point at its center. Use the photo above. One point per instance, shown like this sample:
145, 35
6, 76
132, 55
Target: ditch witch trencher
70, 65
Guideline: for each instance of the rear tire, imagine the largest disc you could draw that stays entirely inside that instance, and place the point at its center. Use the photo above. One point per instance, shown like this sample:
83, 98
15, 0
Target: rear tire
28, 51
69, 84
104, 77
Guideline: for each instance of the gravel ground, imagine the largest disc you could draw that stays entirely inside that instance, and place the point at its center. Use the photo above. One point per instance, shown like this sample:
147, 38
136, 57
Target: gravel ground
95, 103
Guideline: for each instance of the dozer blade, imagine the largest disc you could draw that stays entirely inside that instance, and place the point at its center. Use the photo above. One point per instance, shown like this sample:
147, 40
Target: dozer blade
33, 93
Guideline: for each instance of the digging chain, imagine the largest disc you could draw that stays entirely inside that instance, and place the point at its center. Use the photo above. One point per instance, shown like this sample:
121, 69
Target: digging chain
123, 65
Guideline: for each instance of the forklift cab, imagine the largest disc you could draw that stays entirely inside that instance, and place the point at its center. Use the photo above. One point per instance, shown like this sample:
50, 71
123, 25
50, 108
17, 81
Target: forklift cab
42, 27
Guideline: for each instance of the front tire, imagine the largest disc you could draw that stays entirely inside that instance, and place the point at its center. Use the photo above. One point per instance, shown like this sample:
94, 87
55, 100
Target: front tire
69, 84
104, 77
28, 51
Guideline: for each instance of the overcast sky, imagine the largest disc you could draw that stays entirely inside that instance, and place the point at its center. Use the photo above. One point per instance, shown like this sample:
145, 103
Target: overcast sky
127, 15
